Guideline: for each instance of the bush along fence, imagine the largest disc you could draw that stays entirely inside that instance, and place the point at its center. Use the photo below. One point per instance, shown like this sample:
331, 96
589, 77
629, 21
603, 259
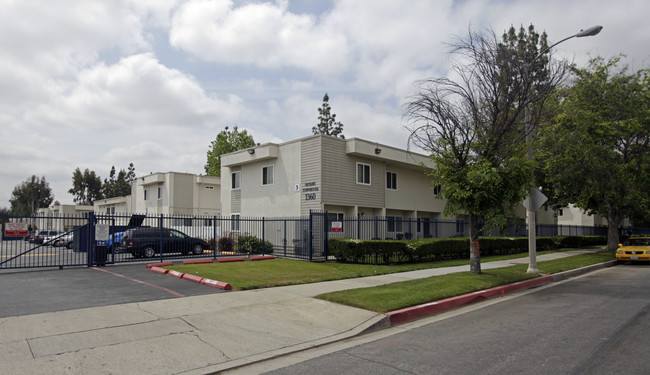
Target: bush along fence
314, 237
394, 252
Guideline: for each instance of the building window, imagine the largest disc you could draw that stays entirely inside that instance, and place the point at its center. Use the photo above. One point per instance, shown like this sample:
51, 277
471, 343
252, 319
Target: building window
363, 174
560, 212
437, 189
460, 226
159, 192
267, 175
394, 223
234, 222
145, 194
391, 181
236, 180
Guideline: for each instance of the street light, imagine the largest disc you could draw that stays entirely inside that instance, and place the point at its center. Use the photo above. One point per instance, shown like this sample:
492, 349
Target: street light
531, 205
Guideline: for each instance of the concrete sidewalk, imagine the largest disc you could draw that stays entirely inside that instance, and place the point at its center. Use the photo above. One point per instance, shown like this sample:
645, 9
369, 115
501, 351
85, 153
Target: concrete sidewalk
195, 335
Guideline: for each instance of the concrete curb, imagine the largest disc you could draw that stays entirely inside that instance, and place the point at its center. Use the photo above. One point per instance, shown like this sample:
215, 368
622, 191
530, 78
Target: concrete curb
420, 311
417, 312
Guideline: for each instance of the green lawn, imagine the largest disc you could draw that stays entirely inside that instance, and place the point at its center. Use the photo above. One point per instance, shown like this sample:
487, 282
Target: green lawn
410, 293
279, 272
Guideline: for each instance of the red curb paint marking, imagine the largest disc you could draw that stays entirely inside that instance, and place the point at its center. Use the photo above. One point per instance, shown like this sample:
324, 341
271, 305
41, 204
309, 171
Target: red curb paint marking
159, 270
196, 279
140, 282
163, 264
197, 261
263, 257
237, 259
216, 284
416, 312
176, 274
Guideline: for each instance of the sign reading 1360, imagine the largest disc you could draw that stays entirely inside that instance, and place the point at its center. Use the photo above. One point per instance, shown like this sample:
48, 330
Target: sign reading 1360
310, 197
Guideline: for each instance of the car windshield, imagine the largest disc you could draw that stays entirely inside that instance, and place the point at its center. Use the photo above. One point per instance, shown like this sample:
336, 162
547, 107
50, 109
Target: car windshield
638, 242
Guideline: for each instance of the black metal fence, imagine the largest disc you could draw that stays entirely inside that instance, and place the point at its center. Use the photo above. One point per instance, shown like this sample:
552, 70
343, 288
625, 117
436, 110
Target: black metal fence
91, 239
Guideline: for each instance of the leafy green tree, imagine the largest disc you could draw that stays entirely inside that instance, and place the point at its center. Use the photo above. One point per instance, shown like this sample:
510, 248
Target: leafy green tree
474, 126
30, 195
86, 187
327, 123
596, 151
118, 185
227, 141
4, 215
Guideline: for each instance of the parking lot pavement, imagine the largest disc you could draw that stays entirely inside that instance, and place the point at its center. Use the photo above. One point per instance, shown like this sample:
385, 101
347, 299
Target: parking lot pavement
36, 291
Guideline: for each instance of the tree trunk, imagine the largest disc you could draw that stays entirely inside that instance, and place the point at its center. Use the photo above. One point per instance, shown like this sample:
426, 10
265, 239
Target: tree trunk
474, 254
613, 238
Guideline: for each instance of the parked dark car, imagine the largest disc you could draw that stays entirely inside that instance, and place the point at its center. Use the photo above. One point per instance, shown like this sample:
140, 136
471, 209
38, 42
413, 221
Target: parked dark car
145, 242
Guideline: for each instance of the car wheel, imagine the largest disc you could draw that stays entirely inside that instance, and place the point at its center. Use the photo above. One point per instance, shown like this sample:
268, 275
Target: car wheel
149, 252
69, 245
198, 249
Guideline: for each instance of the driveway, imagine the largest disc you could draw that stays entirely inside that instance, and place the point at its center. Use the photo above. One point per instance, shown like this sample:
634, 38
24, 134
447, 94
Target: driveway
35, 291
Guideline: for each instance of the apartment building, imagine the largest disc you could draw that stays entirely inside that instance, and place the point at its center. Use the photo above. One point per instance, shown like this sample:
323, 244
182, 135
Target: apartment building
168, 193
347, 177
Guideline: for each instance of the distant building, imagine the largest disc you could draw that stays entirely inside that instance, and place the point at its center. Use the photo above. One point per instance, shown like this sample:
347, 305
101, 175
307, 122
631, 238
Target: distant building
62, 217
168, 193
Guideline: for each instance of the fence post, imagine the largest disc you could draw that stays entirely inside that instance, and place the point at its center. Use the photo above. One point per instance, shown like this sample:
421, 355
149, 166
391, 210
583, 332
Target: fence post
311, 223
160, 246
214, 237
91, 239
263, 235
284, 237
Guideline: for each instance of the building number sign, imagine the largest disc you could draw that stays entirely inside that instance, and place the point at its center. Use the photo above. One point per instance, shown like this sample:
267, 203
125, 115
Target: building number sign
310, 189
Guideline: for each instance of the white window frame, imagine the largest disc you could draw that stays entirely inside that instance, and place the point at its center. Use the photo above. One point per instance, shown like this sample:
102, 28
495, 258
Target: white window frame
159, 192
145, 194
235, 180
389, 181
361, 179
270, 177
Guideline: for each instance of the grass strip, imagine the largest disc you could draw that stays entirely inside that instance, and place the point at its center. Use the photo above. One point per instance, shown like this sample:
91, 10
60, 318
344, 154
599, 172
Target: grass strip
399, 295
281, 272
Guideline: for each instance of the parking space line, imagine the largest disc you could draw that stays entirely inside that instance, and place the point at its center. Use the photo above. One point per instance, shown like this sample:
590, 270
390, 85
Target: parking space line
140, 282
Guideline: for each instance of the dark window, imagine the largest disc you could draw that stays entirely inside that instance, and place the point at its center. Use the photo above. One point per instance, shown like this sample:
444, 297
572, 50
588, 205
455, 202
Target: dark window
391, 181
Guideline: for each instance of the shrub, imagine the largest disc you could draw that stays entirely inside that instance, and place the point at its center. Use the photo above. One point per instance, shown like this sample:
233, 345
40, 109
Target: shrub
251, 244
226, 244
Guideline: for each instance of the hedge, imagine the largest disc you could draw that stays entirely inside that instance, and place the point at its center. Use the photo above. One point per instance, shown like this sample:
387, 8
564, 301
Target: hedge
425, 250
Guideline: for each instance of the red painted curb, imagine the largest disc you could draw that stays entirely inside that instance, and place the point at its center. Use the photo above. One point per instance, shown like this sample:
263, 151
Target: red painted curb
176, 274
197, 261
163, 264
159, 270
234, 259
216, 284
196, 279
416, 312
263, 257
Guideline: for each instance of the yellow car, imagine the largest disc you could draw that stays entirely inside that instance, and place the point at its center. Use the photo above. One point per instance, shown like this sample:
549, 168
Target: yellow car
634, 249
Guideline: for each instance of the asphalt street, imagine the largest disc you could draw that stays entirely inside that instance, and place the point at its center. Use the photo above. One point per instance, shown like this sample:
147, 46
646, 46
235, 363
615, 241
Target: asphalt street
34, 291
594, 324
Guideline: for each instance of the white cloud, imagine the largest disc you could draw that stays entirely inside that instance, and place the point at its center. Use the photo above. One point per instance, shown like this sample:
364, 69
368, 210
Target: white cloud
93, 84
260, 34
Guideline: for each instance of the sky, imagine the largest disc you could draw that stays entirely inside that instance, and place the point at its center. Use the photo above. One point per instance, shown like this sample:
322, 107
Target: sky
95, 83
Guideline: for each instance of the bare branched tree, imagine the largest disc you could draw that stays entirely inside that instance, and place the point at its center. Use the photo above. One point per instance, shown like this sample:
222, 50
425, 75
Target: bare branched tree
473, 123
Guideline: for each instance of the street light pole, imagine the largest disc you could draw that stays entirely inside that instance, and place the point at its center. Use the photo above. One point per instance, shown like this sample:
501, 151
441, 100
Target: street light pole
531, 209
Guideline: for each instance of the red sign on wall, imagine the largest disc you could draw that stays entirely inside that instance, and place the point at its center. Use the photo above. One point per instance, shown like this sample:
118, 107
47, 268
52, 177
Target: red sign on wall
15, 229
337, 226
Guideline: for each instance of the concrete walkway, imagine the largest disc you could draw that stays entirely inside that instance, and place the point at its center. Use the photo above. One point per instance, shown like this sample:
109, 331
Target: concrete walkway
195, 335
